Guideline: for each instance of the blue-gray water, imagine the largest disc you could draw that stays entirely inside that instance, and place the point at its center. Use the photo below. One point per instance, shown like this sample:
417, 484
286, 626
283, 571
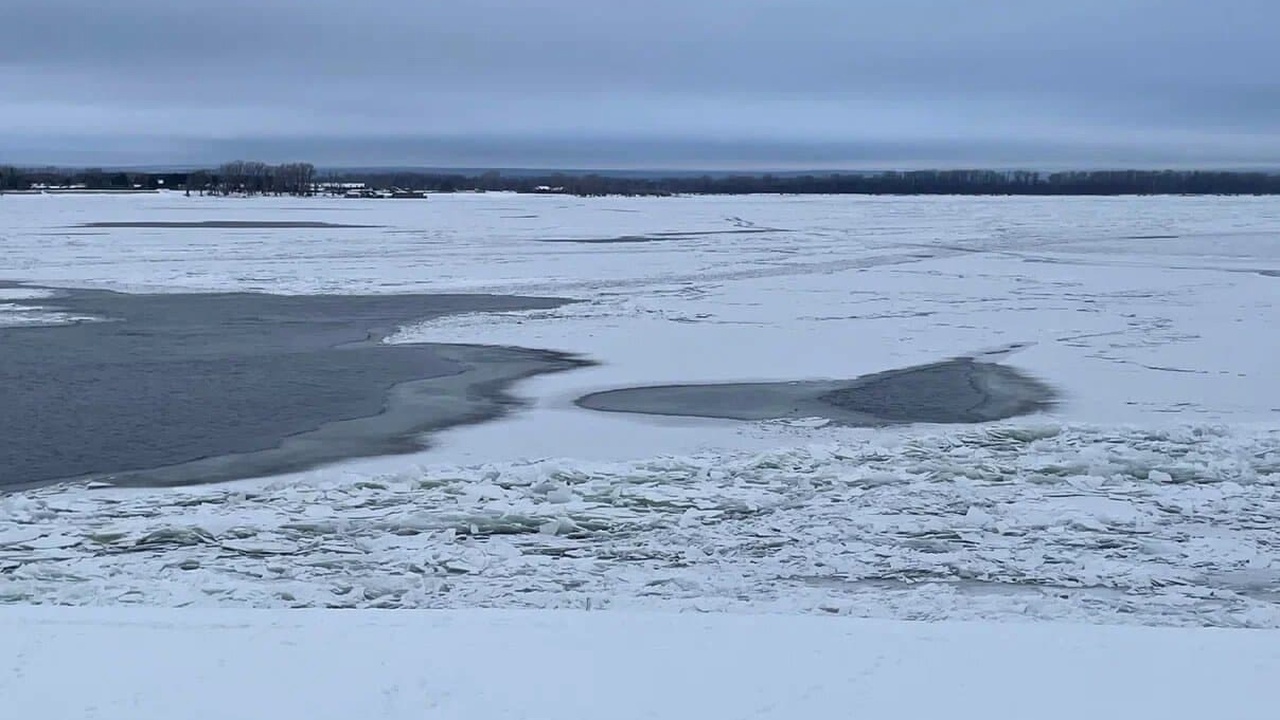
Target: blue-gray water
959, 390
169, 379
177, 389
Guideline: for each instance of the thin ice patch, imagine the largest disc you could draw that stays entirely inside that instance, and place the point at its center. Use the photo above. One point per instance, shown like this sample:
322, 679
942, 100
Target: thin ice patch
17, 315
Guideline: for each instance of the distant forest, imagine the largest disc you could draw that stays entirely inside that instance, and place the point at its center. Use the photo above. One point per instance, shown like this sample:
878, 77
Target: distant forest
256, 178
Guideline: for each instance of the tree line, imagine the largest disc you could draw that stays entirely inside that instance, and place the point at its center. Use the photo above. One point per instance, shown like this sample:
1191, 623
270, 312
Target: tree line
241, 177
256, 178
248, 177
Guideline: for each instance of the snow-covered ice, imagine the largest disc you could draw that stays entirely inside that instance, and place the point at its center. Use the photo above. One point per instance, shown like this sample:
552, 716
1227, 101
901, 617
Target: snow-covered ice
1168, 527
511, 665
1149, 496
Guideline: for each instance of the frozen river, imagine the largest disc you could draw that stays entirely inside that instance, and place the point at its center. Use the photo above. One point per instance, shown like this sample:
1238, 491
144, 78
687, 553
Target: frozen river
1145, 493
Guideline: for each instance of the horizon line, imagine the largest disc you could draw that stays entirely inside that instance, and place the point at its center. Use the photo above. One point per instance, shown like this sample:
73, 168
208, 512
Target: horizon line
658, 171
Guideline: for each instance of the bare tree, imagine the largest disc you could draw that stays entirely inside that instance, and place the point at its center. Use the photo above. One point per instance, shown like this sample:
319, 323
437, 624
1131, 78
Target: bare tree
306, 178
198, 180
10, 178
95, 179
231, 177
257, 177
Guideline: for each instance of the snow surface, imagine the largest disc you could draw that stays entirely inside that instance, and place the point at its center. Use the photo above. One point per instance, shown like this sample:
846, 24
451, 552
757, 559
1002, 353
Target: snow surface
505, 665
1148, 497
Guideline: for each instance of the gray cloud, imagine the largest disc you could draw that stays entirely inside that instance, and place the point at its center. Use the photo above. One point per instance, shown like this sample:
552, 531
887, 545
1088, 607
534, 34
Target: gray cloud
751, 82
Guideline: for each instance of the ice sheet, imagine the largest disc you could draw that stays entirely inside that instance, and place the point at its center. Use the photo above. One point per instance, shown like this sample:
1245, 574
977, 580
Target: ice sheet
1147, 496
1142, 309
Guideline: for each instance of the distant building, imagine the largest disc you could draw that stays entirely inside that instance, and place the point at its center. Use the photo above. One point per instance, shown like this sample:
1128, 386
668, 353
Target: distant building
337, 188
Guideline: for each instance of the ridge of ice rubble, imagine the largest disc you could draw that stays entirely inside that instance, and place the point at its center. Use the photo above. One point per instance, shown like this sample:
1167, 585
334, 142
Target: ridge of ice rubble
1178, 526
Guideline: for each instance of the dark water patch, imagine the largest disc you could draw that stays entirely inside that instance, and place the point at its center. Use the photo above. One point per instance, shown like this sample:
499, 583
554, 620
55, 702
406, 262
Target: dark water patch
960, 390
736, 231
210, 387
69, 234
619, 240
655, 237
225, 224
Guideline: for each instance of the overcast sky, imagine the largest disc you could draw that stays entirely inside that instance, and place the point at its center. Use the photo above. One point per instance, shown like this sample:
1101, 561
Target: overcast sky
651, 84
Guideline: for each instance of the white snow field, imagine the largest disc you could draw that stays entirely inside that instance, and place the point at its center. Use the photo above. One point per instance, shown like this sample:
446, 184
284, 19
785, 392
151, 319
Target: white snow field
149, 664
1149, 496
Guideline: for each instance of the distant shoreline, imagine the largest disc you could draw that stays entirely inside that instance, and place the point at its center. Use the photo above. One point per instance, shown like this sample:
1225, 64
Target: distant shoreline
303, 179
79, 191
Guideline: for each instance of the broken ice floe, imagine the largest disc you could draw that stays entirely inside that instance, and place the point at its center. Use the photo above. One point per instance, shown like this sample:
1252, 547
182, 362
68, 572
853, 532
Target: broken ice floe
1176, 527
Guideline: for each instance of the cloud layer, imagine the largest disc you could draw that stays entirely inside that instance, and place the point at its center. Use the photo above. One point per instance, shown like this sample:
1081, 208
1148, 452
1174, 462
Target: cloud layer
687, 83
